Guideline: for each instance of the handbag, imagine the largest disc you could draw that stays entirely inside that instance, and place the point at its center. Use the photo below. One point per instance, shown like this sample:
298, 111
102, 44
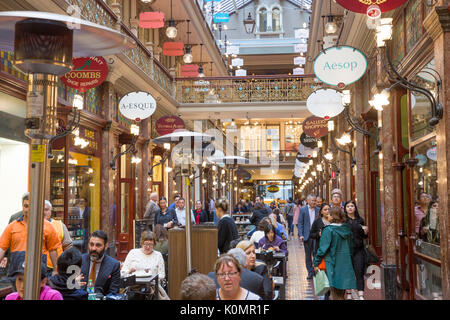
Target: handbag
321, 284
371, 254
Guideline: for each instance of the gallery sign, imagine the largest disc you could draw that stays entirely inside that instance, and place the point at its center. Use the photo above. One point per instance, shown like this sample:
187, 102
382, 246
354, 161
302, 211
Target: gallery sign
315, 127
340, 66
169, 124
137, 105
87, 73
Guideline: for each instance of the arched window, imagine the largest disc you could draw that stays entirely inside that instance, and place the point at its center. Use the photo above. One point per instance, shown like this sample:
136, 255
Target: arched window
263, 20
276, 19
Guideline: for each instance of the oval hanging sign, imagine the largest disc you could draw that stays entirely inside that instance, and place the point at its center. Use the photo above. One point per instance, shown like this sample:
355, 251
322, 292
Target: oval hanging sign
315, 127
325, 103
361, 6
87, 73
273, 188
307, 141
340, 66
137, 105
432, 154
169, 124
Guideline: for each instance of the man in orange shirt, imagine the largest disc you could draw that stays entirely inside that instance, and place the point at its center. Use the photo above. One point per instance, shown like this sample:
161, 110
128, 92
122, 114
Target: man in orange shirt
14, 237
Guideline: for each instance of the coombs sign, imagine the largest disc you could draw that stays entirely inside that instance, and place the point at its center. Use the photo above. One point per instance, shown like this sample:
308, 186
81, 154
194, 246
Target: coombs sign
137, 105
87, 73
340, 66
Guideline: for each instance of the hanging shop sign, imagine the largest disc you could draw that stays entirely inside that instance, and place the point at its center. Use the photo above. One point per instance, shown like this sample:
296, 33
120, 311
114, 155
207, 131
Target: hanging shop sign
298, 71
315, 127
432, 154
173, 49
340, 66
301, 33
189, 70
305, 151
137, 105
87, 73
302, 158
325, 103
367, 6
151, 20
422, 160
307, 141
232, 50
241, 73
221, 17
299, 60
169, 124
300, 47
238, 62
273, 188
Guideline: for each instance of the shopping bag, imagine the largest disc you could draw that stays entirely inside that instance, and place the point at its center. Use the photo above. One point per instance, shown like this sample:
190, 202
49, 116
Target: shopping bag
322, 265
321, 284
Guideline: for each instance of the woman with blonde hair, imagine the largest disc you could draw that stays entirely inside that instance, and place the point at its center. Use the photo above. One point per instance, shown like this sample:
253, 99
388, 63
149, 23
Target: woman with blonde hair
257, 266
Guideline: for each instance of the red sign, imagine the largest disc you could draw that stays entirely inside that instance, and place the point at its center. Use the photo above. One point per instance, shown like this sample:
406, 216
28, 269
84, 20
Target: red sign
333, 175
173, 49
87, 73
151, 20
361, 6
189, 70
169, 124
315, 127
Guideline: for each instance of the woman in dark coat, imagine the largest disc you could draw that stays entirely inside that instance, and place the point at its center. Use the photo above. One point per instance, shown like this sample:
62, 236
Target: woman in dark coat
227, 230
199, 214
359, 234
321, 222
259, 212
335, 248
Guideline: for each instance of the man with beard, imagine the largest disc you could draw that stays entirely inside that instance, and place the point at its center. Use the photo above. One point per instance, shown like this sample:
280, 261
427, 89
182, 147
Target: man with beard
103, 270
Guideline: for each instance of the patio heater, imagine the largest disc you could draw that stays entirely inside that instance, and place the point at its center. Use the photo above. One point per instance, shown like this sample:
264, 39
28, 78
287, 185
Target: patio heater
184, 155
44, 44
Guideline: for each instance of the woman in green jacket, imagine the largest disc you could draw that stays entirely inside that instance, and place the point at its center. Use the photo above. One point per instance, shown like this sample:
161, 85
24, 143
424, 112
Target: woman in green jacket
335, 247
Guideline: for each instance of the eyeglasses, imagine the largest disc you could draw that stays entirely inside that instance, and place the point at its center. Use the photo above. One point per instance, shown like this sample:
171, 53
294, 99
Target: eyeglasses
229, 274
148, 245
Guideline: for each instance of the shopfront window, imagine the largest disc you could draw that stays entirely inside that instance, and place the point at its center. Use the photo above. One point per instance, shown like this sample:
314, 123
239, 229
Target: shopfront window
293, 131
420, 105
84, 198
57, 178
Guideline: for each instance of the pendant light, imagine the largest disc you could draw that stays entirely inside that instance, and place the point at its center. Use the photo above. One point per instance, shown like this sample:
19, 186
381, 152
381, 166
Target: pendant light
188, 58
171, 31
200, 69
331, 26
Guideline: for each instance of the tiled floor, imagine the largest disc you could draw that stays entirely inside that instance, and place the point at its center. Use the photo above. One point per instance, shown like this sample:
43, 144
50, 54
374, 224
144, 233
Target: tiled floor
297, 286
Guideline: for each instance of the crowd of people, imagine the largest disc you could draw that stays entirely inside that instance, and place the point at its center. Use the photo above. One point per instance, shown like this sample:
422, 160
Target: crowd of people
332, 235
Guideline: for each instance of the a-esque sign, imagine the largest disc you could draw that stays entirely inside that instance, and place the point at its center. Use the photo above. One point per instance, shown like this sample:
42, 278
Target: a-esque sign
169, 124
173, 49
307, 141
137, 105
87, 73
315, 127
361, 6
325, 103
340, 66
273, 188
151, 20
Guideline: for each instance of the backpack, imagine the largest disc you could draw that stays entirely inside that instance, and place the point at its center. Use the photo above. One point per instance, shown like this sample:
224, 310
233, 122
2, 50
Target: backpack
289, 209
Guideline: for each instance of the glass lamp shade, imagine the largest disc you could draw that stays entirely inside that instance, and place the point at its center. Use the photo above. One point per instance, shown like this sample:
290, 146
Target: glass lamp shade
78, 101
171, 31
330, 27
188, 58
200, 72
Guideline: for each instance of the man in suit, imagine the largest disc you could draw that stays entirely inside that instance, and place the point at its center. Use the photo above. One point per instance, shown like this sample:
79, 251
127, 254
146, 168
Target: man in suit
152, 210
103, 270
306, 218
249, 280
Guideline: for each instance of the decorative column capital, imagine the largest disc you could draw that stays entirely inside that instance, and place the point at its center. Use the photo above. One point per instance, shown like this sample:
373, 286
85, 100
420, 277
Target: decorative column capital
437, 22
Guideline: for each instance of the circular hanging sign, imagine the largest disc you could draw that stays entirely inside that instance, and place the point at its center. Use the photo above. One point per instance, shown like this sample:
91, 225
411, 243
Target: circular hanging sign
273, 188
432, 154
307, 141
87, 73
137, 105
422, 160
315, 127
361, 6
325, 103
169, 124
340, 66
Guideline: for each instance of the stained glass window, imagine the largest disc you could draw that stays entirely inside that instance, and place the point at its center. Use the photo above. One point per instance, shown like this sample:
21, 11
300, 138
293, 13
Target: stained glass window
94, 100
413, 19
